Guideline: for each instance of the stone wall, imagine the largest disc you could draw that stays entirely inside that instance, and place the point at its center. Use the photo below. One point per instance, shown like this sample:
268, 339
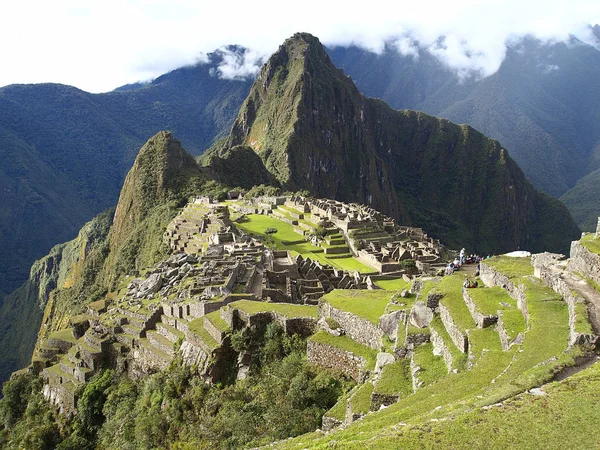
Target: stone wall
441, 349
59, 395
329, 423
379, 400
491, 277
584, 262
505, 340
556, 279
482, 320
458, 337
357, 328
337, 359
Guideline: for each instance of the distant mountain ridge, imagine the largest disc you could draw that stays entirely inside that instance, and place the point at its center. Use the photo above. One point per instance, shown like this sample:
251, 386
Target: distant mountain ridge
65, 151
542, 104
312, 129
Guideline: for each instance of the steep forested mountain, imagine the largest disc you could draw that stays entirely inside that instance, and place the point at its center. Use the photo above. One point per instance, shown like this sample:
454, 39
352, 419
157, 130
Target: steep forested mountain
542, 104
312, 129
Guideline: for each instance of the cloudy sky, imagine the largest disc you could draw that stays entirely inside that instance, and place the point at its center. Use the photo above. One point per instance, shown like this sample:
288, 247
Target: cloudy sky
98, 45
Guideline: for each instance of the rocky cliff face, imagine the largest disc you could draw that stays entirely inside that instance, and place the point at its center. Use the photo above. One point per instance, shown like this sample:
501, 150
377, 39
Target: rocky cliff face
312, 129
34, 302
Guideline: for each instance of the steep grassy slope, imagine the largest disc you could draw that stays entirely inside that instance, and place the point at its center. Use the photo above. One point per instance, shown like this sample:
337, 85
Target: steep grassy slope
313, 130
67, 267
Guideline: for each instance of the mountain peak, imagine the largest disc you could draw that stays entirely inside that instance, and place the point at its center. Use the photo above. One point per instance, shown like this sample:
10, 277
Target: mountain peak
312, 129
162, 172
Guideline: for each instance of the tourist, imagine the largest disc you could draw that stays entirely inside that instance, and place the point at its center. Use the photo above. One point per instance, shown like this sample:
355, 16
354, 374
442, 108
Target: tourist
462, 256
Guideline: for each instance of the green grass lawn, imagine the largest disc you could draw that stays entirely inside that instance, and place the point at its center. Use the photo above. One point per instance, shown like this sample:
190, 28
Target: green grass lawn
495, 376
557, 420
432, 367
339, 409
367, 304
514, 322
582, 319
196, 326
547, 311
393, 285
489, 300
215, 318
451, 288
64, 335
345, 343
258, 223
395, 379
285, 309
592, 243
459, 359
361, 400
510, 266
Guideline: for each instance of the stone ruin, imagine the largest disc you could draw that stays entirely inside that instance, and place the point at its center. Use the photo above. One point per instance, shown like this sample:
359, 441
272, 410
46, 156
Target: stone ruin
213, 264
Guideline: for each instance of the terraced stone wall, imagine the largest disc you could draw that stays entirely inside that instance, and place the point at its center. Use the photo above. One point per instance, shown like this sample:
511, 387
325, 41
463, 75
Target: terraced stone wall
357, 328
491, 277
337, 359
584, 262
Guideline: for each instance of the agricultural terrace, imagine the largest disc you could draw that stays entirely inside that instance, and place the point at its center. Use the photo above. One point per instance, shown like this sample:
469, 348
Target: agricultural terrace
287, 239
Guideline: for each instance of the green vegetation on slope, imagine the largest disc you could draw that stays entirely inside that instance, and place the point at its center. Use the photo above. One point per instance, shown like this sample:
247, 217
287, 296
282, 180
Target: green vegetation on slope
592, 243
559, 419
345, 343
510, 266
285, 309
395, 379
393, 285
177, 409
369, 305
583, 200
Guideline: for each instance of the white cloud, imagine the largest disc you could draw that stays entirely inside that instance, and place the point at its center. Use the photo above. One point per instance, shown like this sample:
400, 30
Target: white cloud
98, 45
239, 65
407, 47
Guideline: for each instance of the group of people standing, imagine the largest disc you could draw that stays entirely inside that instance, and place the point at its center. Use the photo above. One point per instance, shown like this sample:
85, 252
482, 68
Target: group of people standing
463, 258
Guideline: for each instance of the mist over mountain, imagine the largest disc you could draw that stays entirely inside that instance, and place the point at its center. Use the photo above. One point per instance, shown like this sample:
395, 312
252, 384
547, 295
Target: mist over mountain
66, 151
542, 104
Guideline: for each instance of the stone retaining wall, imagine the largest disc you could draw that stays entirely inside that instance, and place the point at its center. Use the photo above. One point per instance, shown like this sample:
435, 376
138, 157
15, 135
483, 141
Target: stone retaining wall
236, 319
482, 320
441, 349
379, 400
337, 359
60, 396
491, 277
60, 344
554, 280
584, 262
329, 423
505, 340
215, 332
458, 337
359, 329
